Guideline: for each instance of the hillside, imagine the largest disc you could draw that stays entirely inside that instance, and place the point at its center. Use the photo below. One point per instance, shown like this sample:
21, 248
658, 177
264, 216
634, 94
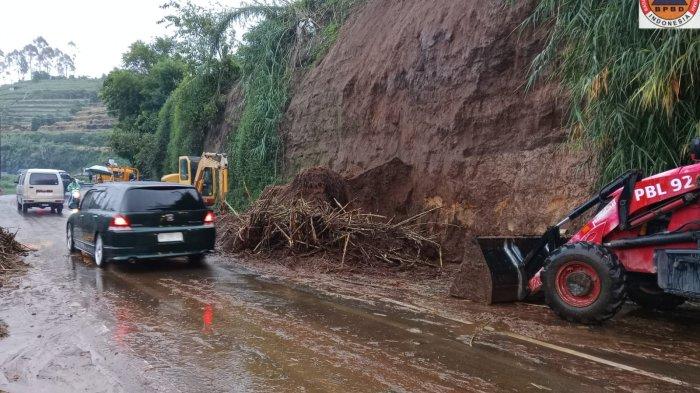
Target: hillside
29, 105
57, 123
435, 114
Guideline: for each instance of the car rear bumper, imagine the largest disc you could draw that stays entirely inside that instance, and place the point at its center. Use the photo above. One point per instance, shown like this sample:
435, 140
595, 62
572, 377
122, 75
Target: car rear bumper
140, 243
41, 203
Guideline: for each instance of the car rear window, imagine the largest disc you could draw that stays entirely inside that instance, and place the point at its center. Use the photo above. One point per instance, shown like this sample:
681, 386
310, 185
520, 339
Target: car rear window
159, 199
43, 179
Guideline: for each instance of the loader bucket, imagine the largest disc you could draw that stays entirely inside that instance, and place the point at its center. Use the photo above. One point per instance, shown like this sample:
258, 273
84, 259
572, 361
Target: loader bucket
495, 270
504, 258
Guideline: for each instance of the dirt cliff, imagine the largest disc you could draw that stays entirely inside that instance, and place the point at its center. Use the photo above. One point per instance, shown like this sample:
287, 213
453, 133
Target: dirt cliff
424, 104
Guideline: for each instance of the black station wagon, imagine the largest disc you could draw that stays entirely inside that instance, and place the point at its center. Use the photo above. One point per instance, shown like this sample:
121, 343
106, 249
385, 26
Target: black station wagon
141, 220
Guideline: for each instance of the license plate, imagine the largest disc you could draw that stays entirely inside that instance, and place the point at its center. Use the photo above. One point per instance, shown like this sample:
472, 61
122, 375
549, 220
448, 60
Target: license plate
170, 237
44, 192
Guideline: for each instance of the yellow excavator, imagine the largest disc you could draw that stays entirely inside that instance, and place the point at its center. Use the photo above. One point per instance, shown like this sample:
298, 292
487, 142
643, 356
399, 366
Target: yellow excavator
208, 173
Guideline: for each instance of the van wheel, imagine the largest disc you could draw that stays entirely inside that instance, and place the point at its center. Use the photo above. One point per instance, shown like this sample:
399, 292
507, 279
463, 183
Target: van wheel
99, 254
24, 208
19, 206
59, 210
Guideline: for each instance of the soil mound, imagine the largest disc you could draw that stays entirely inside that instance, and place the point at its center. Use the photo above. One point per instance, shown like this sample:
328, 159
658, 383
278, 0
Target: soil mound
311, 216
318, 185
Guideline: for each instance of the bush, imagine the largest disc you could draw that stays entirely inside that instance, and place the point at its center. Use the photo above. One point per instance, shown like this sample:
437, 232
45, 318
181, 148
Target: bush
188, 115
44, 120
305, 28
635, 94
67, 151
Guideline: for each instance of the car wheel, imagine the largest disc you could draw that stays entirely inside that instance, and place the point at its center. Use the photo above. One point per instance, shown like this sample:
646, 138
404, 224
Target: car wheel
195, 259
99, 254
69, 239
24, 208
19, 206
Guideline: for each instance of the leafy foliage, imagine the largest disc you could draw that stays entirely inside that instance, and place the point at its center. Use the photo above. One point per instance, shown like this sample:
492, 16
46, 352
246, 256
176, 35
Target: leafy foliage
190, 112
135, 95
287, 37
635, 94
70, 151
39, 60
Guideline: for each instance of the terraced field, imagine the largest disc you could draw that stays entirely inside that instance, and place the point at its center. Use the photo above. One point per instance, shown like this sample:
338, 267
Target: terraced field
29, 105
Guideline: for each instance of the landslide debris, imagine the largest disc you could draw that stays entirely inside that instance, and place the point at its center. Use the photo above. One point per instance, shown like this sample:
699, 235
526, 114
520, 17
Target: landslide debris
313, 216
10, 252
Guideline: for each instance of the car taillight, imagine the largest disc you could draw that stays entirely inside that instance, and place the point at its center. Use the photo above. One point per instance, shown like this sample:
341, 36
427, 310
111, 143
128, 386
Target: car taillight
209, 218
119, 223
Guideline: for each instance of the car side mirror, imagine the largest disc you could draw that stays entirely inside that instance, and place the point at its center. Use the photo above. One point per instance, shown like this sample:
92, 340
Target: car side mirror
74, 204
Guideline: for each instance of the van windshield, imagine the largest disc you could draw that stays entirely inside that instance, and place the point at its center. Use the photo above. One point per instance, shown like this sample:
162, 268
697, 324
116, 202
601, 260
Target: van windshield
43, 179
163, 199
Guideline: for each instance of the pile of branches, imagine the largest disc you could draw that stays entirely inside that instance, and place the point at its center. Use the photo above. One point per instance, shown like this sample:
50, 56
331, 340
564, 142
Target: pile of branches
10, 251
351, 237
311, 216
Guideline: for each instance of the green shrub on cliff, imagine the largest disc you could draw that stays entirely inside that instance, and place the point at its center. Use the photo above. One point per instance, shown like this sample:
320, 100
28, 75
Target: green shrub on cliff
634, 93
188, 114
287, 37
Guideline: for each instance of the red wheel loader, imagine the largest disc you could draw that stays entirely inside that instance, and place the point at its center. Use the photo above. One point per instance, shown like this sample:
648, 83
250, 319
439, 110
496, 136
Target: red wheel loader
643, 244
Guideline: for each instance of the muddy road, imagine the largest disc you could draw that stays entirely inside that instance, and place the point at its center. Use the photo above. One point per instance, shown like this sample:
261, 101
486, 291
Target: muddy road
167, 326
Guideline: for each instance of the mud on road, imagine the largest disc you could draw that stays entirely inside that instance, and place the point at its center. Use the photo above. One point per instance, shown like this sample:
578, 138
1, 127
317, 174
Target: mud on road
168, 326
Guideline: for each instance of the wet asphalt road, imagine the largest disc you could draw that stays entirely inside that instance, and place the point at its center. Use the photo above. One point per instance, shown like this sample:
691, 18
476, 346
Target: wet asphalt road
167, 326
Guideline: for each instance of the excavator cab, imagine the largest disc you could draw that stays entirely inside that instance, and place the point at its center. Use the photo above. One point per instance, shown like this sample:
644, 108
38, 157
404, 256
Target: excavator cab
208, 174
188, 169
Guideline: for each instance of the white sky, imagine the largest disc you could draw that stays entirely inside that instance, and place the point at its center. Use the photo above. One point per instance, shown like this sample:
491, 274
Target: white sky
102, 29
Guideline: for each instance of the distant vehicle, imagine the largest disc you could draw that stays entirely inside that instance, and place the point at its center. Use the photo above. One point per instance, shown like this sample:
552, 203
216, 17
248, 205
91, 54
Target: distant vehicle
113, 172
67, 179
40, 188
208, 173
128, 221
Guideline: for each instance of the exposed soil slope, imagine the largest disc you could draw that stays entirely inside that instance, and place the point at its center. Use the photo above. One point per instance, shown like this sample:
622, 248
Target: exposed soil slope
429, 97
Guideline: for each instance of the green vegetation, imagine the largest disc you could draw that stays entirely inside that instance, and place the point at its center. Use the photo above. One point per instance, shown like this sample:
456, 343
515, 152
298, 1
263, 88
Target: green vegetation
288, 37
30, 104
7, 183
170, 93
634, 93
70, 151
39, 60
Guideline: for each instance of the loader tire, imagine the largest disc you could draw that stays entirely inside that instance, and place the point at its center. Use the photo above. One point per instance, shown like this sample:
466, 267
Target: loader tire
647, 294
584, 283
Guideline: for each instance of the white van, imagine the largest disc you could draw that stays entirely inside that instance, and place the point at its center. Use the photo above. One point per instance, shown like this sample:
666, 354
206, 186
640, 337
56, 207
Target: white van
40, 188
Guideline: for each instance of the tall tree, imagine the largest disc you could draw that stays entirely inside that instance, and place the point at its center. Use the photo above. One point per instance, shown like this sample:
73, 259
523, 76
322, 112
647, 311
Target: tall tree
30, 52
